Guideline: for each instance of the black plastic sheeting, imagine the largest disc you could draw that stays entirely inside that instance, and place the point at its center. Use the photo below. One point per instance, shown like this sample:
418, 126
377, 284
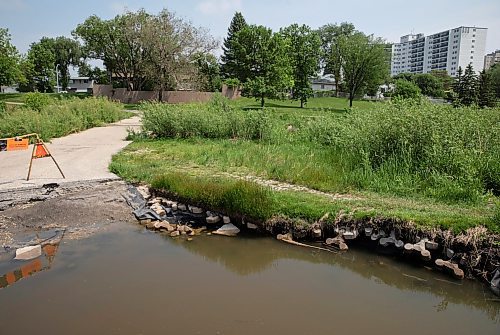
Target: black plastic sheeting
495, 282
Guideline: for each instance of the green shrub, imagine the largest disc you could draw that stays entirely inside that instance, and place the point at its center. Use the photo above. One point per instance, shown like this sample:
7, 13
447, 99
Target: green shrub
406, 90
216, 119
3, 107
37, 101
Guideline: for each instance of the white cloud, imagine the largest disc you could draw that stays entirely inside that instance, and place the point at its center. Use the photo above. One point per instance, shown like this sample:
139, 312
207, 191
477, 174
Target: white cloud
216, 7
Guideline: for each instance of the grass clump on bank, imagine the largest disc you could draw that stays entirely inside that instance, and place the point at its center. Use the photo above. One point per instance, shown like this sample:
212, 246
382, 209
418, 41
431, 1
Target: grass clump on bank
231, 196
55, 118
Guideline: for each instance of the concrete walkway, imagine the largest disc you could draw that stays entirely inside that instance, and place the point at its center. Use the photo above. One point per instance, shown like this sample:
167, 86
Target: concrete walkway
83, 156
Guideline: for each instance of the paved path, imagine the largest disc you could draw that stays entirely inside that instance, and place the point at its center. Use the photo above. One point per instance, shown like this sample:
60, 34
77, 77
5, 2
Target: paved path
82, 156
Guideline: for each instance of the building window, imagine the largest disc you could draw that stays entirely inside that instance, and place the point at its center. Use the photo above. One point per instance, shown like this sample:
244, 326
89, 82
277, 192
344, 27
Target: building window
322, 86
473, 41
471, 57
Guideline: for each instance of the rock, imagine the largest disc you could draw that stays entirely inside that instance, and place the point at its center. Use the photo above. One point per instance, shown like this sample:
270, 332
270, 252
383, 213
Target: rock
160, 212
174, 206
180, 228
378, 235
391, 240
145, 221
227, 230
450, 268
285, 237
368, 232
252, 226
431, 245
181, 207
183, 233
168, 203
144, 191
189, 239
350, 235
418, 248
449, 253
28, 253
164, 225
337, 242
226, 219
209, 234
150, 225
195, 210
175, 234
213, 219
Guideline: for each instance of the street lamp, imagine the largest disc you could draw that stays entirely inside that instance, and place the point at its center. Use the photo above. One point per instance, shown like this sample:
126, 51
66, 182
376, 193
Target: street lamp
57, 77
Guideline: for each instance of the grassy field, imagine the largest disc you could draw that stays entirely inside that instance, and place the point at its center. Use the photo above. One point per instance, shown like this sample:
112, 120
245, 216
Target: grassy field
50, 117
428, 164
21, 97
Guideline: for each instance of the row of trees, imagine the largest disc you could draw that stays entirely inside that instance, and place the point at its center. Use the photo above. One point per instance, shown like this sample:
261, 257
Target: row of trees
270, 64
467, 88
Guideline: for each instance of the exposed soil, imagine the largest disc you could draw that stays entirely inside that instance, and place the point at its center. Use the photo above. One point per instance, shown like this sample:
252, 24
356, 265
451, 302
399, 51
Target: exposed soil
80, 208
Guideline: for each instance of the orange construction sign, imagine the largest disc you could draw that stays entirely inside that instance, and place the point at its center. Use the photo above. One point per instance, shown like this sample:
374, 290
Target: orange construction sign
40, 151
14, 144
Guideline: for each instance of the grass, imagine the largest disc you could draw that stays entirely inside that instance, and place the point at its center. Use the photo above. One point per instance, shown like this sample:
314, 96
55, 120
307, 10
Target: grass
56, 118
21, 97
430, 164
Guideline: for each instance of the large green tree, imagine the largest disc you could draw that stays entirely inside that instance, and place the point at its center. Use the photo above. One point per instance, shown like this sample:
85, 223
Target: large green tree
230, 64
67, 52
117, 42
429, 84
266, 67
486, 90
172, 47
494, 72
470, 87
331, 55
39, 67
10, 71
304, 54
364, 62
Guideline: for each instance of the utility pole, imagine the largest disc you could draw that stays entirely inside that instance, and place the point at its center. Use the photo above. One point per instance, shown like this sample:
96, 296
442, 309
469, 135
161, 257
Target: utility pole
57, 77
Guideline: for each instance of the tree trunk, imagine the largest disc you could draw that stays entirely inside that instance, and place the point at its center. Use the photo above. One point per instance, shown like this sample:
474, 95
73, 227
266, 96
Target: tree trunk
160, 95
262, 100
301, 103
351, 98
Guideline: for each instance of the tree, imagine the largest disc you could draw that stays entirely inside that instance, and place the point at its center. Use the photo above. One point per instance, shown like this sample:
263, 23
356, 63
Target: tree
408, 76
10, 71
230, 67
265, 66
331, 54
406, 89
469, 87
67, 52
486, 92
39, 66
97, 74
171, 49
304, 53
429, 85
445, 79
117, 42
209, 73
494, 73
458, 86
363, 62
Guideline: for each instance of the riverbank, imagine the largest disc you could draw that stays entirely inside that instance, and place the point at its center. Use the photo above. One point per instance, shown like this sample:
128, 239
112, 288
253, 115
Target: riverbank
420, 170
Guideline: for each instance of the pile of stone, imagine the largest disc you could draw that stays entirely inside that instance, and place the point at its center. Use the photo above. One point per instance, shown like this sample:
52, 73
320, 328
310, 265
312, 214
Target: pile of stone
178, 219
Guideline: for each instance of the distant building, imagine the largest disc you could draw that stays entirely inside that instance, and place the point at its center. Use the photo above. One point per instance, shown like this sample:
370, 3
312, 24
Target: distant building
491, 59
9, 89
447, 50
80, 84
324, 83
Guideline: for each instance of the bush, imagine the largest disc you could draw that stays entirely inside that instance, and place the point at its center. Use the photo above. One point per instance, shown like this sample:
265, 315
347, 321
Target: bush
406, 90
216, 119
37, 101
3, 107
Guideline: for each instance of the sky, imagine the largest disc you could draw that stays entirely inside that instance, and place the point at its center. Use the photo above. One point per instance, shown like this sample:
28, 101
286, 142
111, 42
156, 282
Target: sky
30, 20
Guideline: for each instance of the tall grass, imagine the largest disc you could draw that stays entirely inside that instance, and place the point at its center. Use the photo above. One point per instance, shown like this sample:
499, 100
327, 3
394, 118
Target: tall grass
403, 147
59, 118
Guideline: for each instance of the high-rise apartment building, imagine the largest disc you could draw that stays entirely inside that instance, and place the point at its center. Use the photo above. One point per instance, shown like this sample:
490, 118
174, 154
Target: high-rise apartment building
447, 50
491, 59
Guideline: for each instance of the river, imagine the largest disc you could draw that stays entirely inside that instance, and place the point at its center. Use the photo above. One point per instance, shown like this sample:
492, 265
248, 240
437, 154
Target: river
127, 280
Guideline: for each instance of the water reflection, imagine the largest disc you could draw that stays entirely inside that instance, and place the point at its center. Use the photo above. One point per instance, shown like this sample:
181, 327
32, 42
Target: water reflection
251, 255
34, 266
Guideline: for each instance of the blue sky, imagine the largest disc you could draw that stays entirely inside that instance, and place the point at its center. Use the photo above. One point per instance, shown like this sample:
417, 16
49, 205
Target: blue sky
29, 20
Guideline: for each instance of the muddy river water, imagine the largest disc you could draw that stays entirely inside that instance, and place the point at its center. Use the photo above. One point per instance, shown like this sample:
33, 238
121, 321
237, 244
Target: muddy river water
127, 280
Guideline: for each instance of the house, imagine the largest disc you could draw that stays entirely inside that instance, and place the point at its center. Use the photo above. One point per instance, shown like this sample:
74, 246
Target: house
9, 89
324, 83
80, 84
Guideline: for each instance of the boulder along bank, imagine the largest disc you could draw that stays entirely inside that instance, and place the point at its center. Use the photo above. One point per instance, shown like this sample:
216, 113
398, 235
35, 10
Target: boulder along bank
474, 253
